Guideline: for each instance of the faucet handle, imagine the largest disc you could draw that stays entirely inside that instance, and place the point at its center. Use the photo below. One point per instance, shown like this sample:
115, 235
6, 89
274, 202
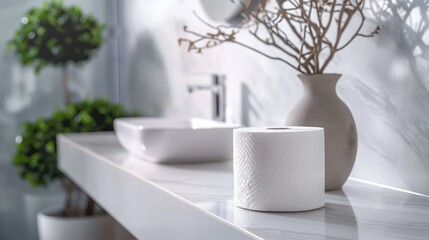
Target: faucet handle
218, 79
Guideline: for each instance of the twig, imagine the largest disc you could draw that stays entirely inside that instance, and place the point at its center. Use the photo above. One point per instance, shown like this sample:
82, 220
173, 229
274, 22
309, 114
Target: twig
297, 28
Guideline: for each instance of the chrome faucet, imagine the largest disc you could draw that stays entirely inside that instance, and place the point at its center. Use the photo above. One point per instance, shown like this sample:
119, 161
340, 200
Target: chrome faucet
217, 89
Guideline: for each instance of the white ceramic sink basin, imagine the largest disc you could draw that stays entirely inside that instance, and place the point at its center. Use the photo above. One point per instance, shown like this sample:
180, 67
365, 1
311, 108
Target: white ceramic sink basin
175, 140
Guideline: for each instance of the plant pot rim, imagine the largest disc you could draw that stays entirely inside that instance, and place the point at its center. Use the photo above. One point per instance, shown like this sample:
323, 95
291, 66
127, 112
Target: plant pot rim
54, 212
320, 74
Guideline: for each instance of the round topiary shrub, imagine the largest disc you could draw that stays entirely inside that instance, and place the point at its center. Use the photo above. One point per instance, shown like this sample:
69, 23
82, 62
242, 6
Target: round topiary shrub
54, 34
36, 156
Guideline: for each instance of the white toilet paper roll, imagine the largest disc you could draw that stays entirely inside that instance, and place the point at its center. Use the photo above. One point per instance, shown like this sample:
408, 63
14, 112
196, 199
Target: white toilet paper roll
279, 169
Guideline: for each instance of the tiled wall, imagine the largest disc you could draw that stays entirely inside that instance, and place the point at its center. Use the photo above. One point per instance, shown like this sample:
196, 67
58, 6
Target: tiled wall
385, 82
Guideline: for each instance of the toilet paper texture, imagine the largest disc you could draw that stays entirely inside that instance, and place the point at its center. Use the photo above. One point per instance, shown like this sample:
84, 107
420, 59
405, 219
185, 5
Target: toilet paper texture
277, 169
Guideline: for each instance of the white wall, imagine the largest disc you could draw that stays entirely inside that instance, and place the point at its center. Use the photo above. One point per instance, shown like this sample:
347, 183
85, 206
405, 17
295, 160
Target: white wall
25, 96
385, 83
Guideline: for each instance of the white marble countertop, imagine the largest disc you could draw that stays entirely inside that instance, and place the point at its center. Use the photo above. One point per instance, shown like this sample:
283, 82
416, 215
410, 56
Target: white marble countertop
196, 201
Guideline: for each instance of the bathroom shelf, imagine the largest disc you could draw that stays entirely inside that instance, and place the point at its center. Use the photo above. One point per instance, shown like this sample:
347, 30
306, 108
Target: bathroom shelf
196, 201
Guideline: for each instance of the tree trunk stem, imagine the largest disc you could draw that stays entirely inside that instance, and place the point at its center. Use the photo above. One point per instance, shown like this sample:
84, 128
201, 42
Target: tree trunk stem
90, 207
66, 92
68, 186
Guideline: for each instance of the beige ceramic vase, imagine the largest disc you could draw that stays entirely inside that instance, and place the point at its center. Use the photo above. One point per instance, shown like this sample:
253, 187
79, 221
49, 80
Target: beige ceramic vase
321, 107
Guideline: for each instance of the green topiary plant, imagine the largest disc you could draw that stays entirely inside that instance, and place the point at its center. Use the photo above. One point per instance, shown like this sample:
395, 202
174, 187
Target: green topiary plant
36, 155
56, 35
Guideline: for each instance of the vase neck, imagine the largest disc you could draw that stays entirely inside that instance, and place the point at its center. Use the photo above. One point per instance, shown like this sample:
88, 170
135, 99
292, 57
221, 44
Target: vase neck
320, 84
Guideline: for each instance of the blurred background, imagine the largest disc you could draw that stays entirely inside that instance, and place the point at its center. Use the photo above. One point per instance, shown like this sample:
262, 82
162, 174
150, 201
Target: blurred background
385, 83
27, 96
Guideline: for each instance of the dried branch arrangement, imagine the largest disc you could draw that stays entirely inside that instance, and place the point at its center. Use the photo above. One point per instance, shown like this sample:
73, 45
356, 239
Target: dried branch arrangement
305, 34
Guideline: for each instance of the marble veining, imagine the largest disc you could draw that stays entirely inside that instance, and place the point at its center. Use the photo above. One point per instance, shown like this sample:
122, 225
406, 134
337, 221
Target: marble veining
358, 211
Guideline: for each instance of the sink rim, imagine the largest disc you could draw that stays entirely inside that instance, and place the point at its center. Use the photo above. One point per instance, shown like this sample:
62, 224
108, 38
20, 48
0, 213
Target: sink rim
209, 124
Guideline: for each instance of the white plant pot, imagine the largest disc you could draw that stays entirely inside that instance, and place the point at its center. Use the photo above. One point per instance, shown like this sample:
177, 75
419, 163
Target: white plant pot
36, 202
53, 226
